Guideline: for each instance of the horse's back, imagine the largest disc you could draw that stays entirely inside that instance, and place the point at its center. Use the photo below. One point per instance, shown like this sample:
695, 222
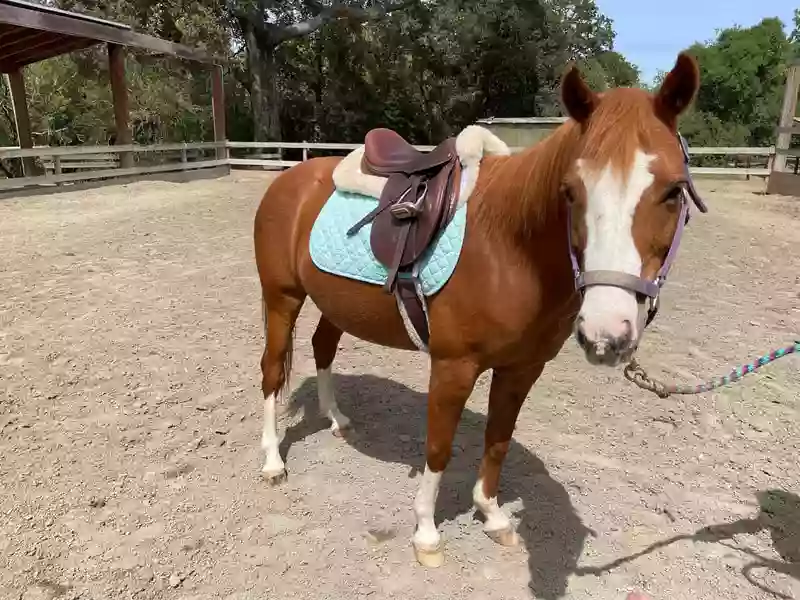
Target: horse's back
297, 190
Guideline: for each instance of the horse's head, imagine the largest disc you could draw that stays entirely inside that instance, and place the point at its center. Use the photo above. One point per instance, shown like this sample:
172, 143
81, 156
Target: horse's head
627, 192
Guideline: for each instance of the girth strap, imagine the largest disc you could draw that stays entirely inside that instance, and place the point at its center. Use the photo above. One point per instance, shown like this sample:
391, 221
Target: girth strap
407, 292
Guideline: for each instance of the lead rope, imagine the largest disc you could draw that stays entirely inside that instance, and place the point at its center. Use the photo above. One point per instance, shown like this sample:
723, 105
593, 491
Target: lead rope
636, 374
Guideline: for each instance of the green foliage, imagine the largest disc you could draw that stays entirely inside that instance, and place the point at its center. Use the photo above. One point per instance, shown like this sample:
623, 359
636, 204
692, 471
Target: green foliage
426, 68
743, 73
433, 68
69, 97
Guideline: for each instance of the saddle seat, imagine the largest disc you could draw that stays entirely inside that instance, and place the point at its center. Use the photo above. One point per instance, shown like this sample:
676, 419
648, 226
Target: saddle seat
418, 201
387, 152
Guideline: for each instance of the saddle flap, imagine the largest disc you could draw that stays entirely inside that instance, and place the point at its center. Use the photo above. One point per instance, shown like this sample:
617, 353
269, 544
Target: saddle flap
438, 207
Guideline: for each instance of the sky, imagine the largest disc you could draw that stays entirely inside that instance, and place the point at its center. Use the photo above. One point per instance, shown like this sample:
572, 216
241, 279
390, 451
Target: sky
650, 33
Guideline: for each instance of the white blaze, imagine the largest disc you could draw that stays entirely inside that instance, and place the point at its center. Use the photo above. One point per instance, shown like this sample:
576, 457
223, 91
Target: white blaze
612, 199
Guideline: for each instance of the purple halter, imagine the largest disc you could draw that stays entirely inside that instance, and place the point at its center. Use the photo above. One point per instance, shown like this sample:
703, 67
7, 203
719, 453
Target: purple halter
637, 284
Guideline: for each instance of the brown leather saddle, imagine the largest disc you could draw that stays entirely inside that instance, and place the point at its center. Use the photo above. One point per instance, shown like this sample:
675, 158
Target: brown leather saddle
418, 201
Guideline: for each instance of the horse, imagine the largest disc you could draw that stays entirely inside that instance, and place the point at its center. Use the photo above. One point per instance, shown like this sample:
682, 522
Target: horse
570, 237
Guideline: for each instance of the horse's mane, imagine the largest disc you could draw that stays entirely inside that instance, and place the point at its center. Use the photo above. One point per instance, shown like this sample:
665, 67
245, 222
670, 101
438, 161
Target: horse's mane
521, 190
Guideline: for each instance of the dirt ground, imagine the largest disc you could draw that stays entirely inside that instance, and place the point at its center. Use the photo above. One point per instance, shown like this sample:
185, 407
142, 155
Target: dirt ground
130, 422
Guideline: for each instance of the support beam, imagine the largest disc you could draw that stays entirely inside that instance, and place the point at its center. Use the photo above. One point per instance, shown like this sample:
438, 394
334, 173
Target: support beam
19, 100
119, 93
787, 118
218, 108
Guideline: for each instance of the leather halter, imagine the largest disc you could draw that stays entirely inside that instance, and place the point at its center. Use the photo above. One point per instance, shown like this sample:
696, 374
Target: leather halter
639, 285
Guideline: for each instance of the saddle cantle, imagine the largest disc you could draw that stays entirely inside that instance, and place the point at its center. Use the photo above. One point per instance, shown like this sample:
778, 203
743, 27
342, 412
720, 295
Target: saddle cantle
418, 201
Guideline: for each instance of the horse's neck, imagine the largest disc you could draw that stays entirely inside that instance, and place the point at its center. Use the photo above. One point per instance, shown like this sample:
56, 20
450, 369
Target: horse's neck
520, 194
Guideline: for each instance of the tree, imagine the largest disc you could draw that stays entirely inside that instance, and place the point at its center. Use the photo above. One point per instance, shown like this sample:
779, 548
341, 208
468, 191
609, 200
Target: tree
743, 73
619, 72
794, 36
265, 25
329, 71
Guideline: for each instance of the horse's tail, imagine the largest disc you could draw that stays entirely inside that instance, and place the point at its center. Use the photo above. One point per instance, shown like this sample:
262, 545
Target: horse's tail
264, 316
290, 405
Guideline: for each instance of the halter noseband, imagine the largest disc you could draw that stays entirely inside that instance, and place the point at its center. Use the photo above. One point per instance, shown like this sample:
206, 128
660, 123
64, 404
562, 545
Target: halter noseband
637, 284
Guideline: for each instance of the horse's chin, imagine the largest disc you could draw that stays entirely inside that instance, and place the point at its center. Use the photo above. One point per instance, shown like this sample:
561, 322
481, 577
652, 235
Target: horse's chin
610, 360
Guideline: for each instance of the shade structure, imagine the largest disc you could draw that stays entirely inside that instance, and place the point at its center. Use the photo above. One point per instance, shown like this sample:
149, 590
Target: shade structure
30, 33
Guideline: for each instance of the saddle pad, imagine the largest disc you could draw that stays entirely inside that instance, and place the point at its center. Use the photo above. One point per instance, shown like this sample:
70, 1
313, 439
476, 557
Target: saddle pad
351, 257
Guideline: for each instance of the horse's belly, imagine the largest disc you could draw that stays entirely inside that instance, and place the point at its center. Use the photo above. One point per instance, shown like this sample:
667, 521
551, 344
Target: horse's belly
360, 309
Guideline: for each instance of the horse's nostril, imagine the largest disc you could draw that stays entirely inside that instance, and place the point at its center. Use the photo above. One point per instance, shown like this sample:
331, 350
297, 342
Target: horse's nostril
628, 336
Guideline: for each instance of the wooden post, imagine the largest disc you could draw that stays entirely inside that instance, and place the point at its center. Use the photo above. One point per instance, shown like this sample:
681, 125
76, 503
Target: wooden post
57, 169
119, 94
787, 119
19, 101
218, 109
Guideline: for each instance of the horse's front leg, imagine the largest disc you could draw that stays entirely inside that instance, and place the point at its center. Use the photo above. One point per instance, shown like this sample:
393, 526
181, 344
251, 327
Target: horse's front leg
451, 383
508, 391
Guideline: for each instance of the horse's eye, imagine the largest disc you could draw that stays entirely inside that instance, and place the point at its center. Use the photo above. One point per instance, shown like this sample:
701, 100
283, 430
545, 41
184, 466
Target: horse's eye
567, 192
673, 195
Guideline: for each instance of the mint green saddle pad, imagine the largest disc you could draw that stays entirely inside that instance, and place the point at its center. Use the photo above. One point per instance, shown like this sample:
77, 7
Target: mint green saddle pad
334, 252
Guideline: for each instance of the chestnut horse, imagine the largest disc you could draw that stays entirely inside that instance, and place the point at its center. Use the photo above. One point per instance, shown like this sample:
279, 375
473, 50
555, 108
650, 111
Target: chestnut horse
573, 234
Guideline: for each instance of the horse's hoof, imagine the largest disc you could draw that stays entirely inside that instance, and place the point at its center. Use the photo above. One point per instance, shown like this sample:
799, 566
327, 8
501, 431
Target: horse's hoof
342, 432
432, 558
274, 478
505, 537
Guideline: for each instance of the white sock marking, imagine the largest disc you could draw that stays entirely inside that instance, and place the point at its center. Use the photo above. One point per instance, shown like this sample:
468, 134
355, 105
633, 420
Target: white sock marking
496, 519
327, 400
426, 536
273, 464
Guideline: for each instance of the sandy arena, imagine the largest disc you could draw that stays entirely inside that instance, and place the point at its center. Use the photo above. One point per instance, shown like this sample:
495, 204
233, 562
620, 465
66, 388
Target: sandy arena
130, 423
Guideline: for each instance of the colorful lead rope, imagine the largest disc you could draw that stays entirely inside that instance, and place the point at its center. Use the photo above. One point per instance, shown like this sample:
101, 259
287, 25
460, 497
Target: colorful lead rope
635, 373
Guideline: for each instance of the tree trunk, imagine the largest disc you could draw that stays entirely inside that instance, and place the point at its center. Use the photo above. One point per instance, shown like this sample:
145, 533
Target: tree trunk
319, 97
265, 98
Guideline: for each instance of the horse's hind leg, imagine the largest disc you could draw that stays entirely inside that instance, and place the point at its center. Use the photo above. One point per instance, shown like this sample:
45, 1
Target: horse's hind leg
325, 342
276, 365
506, 396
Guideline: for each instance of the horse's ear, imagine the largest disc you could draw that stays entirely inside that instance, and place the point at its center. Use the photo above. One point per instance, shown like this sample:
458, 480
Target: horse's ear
678, 89
578, 98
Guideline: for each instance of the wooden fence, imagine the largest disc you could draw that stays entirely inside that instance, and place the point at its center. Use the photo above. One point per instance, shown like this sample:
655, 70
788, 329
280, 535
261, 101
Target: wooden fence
89, 163
763, 156
60, 165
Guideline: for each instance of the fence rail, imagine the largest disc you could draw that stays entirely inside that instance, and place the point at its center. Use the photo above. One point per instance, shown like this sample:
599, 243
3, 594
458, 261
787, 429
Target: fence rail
91, 163
716, 150
88, 163
767, 155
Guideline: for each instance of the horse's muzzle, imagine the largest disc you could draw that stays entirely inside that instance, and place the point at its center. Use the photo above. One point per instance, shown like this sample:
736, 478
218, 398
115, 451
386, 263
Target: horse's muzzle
606, 349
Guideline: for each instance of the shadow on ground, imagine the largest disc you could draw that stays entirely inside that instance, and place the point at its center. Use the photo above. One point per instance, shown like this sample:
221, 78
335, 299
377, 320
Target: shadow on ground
390, 426
779, 515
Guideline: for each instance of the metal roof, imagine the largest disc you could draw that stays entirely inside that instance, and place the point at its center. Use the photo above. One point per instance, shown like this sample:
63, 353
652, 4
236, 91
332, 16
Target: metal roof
30, 33
59, 11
